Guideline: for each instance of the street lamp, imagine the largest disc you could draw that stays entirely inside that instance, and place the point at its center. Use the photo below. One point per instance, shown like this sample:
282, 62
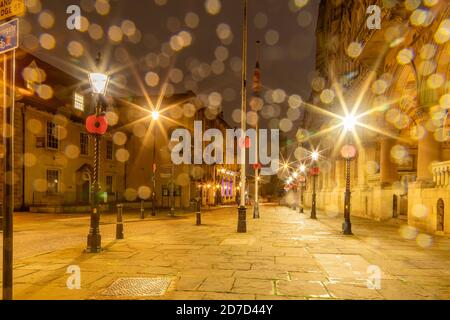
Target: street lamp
97, 126
155, 117
349, 123
314, 173
302, 181
295, 188
348, 152
198, 212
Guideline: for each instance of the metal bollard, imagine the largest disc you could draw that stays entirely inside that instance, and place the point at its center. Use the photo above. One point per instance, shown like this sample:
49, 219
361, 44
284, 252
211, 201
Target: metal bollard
119, 225
142, 210
242, 220
199, 213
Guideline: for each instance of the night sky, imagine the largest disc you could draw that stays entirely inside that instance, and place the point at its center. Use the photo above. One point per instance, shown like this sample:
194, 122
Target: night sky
204, 28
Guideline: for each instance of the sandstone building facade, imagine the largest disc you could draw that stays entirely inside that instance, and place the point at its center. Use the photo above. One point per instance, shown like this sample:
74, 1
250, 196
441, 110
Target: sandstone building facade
53, 153
396, 80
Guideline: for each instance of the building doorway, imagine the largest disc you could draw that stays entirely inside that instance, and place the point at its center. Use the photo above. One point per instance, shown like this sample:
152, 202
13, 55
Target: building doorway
395, 206
84, 185
440, 215
403, 205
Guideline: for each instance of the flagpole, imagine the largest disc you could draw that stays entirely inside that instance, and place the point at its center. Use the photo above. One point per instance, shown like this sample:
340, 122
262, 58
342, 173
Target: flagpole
242, 211
256, 93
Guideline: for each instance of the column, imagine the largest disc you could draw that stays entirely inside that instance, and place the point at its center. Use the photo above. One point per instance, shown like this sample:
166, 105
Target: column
429, 150
362, 164
339, 174
388, 169
331, 176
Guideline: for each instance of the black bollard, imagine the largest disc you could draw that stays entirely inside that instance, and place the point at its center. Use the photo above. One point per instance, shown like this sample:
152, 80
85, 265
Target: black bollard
119, 225
199, 213
242, 219
142, 210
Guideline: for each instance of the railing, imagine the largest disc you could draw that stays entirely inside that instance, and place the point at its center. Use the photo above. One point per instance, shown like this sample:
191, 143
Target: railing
49, 198
68, 199
441, 174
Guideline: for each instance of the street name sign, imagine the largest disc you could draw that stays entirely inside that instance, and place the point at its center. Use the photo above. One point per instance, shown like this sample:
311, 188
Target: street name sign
11, 8
9, 36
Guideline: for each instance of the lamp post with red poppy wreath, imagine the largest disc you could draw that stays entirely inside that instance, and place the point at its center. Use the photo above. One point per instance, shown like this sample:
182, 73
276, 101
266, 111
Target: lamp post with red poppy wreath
348, 152
302, 182
97, 126
314, 171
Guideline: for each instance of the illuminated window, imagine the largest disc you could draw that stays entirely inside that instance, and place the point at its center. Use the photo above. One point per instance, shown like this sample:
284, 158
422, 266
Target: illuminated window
78, 101
52, 136
52, 181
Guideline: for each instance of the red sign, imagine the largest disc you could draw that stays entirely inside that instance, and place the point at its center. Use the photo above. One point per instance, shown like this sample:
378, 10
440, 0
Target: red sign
257, 166
96, 125
315, 171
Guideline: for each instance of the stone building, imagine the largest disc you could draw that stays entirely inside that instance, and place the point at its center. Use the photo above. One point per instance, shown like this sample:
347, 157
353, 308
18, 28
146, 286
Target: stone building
177, 185
396, 80
53, 153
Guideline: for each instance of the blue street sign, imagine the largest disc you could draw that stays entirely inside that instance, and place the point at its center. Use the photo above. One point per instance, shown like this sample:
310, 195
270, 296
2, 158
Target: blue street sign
9, 36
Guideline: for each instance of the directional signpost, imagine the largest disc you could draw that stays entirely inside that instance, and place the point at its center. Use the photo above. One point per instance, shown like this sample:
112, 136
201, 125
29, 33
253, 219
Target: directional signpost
9, 42
9, 36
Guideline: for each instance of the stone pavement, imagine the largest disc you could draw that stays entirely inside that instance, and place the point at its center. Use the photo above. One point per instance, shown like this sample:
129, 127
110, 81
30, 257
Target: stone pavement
284, 255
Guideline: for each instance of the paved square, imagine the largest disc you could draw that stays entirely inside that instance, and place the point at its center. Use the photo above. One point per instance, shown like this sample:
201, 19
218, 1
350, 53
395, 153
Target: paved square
284, 255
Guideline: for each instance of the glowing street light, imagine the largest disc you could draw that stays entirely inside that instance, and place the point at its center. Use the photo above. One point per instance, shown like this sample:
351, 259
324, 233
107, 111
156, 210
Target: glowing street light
349, 123
99, 84
155, 115
315, 156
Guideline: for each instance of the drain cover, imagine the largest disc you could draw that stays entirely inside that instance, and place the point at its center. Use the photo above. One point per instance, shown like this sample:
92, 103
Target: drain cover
138, 287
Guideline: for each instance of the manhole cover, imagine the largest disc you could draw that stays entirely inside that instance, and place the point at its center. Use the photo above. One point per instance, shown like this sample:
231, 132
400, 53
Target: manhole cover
138, 287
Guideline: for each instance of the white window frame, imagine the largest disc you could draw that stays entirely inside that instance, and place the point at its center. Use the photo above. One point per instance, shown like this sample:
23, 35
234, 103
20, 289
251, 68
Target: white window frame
55, 135
78, 101
87, 144
112, 182
58, 178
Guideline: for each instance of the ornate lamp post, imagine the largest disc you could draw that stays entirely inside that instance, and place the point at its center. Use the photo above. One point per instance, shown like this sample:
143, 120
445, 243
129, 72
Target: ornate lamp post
97, 126
295, 179
302, 181
348, 152
155, 117
198, 212
314, 173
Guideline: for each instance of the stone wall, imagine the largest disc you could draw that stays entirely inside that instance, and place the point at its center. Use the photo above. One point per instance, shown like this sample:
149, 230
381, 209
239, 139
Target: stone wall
422, 207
